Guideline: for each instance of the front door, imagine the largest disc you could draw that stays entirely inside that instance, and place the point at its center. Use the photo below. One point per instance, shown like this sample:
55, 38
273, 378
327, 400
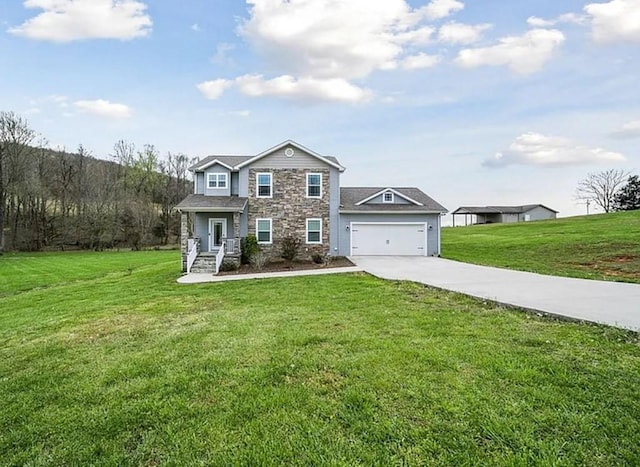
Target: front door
217, 232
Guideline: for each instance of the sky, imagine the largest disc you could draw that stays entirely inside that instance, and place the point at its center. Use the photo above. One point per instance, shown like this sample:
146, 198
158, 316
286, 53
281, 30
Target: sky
492, 102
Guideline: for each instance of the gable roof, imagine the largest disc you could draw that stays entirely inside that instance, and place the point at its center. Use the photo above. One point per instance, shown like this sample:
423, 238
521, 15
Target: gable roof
500, 209
389, 190
353, 199
332, 161
226, 161
236, 162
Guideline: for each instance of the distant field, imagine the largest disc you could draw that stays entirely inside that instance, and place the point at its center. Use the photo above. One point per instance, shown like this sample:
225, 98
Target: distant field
105, 360
603, 246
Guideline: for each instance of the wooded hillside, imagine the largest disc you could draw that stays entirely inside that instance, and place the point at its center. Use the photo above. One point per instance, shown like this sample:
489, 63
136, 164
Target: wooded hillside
57, 199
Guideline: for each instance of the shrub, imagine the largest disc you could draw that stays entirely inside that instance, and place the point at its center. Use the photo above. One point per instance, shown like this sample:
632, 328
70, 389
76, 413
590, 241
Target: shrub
289, 247
318, 258
249, 248
228, 265
259, 260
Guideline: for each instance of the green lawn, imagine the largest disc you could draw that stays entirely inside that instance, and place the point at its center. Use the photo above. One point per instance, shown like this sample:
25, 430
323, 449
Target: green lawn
119, 365
603, 246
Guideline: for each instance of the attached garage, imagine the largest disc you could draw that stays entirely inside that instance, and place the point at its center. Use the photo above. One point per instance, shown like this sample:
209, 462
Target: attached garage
377, 221
388, 239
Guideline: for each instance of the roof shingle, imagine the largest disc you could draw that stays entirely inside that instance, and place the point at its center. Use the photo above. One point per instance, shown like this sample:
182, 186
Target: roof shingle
350, 196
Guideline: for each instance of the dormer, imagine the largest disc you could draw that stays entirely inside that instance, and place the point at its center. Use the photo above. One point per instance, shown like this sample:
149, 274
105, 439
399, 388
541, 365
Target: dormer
388, 197
217, 180
216, 175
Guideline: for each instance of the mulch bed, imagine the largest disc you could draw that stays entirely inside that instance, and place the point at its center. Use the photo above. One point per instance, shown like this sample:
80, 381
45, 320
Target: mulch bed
298, 265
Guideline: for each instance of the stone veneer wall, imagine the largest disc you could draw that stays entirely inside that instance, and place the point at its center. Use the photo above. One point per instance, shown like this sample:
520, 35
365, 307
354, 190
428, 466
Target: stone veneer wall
289, 208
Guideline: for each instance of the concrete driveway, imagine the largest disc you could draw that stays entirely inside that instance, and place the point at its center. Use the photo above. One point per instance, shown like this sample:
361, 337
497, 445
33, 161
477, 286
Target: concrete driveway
613, 303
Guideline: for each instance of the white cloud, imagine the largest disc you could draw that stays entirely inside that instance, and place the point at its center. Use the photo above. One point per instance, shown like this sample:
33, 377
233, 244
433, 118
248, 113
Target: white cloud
215, 88
536, 22
306, 88
334, 39
550, 151
617, 20
222, 53
322, 46
628, 130
458, 33
239, 113
419, 61
524, 54
103, 108
438, 9
70, 20
289, 87
196, 27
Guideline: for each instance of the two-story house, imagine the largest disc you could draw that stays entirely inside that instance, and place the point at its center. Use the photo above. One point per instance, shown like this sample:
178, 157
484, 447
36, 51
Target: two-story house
290, 190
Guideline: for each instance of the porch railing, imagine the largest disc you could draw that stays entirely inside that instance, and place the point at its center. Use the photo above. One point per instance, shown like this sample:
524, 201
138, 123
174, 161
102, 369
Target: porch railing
193, 247
232, 246
220, 256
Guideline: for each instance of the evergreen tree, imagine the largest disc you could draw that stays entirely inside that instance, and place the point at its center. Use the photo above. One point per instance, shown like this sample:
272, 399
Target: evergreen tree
628, 197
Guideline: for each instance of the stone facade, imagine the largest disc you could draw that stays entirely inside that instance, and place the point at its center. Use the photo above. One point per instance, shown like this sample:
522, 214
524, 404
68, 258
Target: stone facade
289, 208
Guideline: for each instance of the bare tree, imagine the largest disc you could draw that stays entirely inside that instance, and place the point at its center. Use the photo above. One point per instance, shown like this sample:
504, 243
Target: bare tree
601, 188
15, 137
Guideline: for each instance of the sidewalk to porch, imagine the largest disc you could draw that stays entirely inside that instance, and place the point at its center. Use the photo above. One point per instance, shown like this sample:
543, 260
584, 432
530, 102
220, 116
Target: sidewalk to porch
198, 278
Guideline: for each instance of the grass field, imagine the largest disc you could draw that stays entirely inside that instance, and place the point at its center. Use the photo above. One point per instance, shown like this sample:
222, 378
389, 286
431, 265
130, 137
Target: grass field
603, 246
105, 360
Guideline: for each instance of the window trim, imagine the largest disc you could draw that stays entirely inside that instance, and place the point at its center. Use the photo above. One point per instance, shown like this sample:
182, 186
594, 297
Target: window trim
258, 184
384, 197
270, 230
307, 191
306, 236
216, 175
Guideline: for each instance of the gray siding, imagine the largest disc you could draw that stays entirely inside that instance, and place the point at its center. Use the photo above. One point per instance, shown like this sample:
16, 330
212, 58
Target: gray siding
300, 160
334, 206
234, 183
216, 168
199, 183
396, 200
510, 218
243, 182
201, 227
432, 221
539, 213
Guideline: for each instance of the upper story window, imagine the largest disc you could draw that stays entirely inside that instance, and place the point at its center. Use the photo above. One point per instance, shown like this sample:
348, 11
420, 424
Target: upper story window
264, 185
217, 180
387, 197
314, 185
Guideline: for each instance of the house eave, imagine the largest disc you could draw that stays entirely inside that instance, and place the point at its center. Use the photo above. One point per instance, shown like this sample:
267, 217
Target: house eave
391, 190
209, 164
357, 211
296, 145
200, 209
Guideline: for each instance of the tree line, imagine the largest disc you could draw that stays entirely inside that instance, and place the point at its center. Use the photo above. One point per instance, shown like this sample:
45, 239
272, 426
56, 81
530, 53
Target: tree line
59, 200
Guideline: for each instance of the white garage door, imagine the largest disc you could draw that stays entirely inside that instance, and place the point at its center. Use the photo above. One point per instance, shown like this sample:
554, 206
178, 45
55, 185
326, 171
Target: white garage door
392, 239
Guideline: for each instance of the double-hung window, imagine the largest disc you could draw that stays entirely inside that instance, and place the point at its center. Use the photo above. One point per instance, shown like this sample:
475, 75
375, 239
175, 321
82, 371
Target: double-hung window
217, 180
263, 230
314, 230
314, 185
264, 185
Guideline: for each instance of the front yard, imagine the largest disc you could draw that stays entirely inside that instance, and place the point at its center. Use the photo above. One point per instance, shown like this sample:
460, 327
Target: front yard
113, 363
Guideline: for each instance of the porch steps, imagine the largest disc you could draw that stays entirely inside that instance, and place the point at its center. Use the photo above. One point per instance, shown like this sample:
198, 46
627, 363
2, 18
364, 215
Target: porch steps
205, 263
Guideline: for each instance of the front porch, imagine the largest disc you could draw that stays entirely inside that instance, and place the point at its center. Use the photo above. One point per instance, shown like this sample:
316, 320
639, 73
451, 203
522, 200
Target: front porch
210, 231
210, 261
